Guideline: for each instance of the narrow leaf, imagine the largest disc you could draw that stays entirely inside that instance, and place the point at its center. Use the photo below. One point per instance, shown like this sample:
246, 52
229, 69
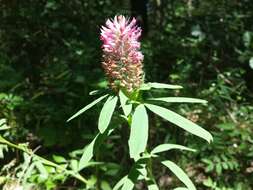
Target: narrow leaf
179, 100
181, 188
153, 186
120, 183
128, 184
166, 147
87, 154
105, 185
59, 159
106, 113
41, 169
3, 125
28, 172
162, 85
87, 107
94, 92
90, 149
139, 132
2, 122
180, 121
182, 176
127, 108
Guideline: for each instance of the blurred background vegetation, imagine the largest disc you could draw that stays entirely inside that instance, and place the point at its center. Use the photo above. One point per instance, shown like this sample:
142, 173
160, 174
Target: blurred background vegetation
50, 59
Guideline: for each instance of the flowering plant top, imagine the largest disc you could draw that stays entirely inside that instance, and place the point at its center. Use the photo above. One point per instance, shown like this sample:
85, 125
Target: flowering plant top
122, 58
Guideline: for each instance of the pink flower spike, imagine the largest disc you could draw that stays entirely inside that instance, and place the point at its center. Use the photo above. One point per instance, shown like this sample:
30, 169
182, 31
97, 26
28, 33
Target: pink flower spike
122, 58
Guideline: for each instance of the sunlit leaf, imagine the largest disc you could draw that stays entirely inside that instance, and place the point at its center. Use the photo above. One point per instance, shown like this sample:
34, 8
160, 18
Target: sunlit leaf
28, 172
87, 107
41, 169
87, 154
74, 165
166, 147
3, 125
94, 92
59, 159
106, 113
163, 86
120, 183
251, 62
105, 185
179, 100
127, 108
182, 176
152, 186
181, 188
180, 121
139, 132
2, 122
128, 184
137, 172
89, 150
3, 148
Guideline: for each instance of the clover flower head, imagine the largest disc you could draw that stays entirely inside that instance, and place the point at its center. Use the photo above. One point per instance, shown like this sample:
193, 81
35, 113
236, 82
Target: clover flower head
122, 58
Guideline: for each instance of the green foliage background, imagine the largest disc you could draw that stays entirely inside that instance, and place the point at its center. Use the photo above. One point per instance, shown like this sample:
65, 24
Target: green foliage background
50, 59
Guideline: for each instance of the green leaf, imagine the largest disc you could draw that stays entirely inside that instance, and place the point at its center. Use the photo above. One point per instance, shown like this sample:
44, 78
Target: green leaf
227, 126
74, 165
2, 122
94, 92
145, 87
89, 151
105, 185
218, 168
181, 122
3, 125
224, 165
124, 184
166, 147
142, 171
251, 62
182, 176
139, 132
120, 183
28, 172
106, 113
181, 188
127, 108
128, 184
162, 85
59, 159
179, 100
152, 186
91, 182
87, 107
134, 174
3, 148
41, 169
87, 154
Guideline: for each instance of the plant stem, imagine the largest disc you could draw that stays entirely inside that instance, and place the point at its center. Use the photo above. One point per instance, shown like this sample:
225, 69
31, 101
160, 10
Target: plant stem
150, 171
